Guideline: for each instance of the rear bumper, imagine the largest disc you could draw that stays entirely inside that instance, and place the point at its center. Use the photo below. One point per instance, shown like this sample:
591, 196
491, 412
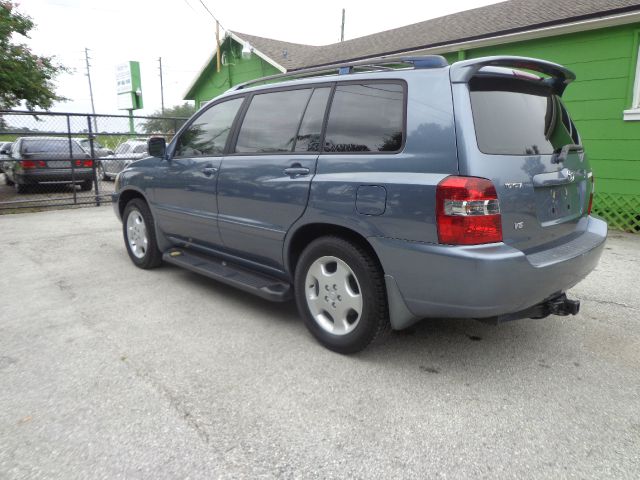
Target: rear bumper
483, 281
63, 175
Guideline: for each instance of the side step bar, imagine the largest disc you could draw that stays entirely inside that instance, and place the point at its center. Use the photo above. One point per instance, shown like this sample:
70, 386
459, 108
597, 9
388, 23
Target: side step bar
264, 286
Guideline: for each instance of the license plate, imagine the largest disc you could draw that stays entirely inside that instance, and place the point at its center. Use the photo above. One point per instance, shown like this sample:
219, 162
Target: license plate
558, 202
58, 164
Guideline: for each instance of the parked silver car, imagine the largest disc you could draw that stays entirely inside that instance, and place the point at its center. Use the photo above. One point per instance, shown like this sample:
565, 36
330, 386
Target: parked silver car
99, 150
127, 152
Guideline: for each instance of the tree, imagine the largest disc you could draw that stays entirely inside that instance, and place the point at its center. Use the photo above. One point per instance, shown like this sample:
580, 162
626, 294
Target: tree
23, 75
166, 123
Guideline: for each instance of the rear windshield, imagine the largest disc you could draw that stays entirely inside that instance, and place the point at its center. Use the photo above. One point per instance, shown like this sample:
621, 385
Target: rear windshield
518, 117
50, 145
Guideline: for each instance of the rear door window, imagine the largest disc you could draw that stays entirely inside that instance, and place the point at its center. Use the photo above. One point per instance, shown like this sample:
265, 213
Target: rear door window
271, 122
308, 138
517, 117
366, 117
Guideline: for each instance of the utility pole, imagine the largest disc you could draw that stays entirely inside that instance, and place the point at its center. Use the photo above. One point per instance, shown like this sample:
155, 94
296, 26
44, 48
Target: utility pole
93, 108
342, 28
161, 87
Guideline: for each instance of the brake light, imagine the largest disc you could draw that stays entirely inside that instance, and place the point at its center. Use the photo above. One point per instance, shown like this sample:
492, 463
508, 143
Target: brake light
29, 164
84, 163
593, 189
468, 211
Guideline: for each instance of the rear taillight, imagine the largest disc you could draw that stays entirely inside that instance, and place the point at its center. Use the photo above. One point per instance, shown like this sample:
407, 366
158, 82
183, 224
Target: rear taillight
84, 163
467, 211
593, 189
28, 164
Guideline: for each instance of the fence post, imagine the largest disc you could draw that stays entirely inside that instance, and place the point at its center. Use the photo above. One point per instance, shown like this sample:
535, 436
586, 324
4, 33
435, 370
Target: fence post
73, 163
94, 160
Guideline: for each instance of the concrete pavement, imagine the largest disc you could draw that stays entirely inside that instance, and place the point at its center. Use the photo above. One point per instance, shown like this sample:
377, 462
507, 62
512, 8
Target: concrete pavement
108, 371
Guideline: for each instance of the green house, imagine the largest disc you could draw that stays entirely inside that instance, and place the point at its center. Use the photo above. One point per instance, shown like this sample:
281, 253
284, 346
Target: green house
598, 40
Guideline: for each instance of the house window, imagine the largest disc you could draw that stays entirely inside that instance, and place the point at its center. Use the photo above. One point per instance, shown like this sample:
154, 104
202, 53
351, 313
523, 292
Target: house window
633, 113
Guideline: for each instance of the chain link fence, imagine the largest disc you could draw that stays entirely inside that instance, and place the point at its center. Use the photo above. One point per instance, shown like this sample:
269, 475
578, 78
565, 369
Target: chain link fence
68, 159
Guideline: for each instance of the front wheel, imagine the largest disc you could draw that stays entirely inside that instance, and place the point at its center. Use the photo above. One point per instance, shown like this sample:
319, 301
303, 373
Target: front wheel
139, 235
340, 293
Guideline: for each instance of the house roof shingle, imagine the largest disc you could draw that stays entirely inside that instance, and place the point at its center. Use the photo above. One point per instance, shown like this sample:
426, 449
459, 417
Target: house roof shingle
496, 19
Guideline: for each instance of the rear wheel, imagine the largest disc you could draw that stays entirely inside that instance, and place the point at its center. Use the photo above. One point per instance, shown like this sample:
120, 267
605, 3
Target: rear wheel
21, 188
7, 181
340, 293
86, 185
139, 235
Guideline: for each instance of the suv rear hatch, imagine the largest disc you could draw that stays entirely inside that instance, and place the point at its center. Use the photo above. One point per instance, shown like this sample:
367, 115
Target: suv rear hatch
525, 142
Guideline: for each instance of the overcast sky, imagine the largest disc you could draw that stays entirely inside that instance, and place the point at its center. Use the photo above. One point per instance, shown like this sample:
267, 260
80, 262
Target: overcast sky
183, 34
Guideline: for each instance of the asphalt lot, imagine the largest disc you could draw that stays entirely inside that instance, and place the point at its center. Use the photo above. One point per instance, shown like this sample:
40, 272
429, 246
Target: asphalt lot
108, 371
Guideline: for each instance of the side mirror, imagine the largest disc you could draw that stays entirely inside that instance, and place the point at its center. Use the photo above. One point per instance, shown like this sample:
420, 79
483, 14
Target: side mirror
157, 147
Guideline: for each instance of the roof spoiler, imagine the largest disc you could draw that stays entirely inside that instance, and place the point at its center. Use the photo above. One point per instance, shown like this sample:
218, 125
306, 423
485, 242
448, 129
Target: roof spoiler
560, 77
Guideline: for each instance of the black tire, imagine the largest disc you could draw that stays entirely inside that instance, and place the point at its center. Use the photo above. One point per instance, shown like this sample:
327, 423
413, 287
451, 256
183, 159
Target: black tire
21, 188
373, 321
86, 186
7, 181
152, 257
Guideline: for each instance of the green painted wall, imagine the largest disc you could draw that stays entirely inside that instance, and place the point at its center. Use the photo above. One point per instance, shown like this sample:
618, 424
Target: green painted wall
604, 62
237, 69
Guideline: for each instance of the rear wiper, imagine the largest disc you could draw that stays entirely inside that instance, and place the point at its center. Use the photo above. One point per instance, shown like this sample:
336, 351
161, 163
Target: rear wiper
564, 151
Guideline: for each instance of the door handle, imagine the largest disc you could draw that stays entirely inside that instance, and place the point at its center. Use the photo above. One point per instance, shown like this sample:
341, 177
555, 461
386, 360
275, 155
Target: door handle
208, 171
296, 170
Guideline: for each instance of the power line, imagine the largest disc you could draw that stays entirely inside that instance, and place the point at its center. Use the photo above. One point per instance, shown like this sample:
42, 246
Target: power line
212, 15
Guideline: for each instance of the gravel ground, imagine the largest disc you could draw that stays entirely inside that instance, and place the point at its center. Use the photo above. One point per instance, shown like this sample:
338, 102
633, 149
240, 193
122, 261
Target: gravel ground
108, 371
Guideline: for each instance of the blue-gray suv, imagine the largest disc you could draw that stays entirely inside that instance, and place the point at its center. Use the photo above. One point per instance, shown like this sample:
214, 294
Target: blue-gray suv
377, 193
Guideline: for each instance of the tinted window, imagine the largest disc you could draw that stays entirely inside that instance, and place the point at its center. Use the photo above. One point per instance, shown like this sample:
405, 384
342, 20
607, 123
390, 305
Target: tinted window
366, 118
514, 117
207, 135
50, 145
271, 122
141, 148
308, 139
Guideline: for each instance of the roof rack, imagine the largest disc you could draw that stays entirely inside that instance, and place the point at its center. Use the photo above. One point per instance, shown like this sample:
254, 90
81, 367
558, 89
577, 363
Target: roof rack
369, 65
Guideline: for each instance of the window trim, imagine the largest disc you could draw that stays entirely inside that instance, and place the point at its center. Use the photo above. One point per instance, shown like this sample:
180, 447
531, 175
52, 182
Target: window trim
243, 111
405, 96
633, 113
172, 146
